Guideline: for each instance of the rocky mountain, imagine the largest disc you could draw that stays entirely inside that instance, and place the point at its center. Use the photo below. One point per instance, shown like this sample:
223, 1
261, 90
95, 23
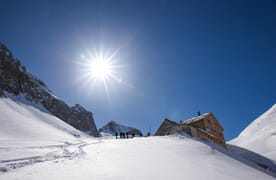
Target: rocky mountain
15, 80
112, 127
260, 135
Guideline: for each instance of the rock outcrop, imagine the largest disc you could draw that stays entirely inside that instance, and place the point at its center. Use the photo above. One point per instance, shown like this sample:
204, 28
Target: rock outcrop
112, 127
15, 79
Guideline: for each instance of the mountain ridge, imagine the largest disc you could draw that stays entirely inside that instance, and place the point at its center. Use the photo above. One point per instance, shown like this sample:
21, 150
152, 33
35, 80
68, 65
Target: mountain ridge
15, 79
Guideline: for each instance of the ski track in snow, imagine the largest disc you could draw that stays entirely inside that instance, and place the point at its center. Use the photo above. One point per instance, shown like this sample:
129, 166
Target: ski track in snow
111, 159
55, 153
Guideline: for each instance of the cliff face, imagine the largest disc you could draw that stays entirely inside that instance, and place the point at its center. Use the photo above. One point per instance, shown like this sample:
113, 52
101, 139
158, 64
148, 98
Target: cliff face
16, 80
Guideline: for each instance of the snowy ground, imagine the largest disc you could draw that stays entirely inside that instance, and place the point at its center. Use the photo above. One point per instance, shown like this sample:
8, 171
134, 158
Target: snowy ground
36, 145
138, 158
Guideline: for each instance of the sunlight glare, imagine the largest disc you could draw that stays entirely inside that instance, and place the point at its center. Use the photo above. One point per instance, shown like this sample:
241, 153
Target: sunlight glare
100, 68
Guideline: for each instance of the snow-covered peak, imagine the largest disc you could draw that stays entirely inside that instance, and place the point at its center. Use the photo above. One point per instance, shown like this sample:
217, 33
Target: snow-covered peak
113, 127
266, 119
260, 135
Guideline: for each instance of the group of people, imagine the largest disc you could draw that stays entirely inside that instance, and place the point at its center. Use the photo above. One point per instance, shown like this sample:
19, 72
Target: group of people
126, 135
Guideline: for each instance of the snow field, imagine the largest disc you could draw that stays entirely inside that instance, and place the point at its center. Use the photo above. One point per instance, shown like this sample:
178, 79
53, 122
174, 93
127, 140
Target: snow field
36, 145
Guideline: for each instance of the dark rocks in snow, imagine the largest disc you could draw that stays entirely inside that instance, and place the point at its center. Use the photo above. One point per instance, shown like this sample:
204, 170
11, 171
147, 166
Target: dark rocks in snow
16, 80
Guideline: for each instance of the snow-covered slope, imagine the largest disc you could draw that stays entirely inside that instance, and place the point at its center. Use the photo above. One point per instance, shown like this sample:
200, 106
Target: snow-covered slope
25, 120
30, 134
36, 145
260, 135
148, 158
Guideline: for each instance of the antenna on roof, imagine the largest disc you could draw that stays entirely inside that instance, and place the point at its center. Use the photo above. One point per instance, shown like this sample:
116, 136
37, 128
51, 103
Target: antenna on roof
198, 113
150, 128
149, 133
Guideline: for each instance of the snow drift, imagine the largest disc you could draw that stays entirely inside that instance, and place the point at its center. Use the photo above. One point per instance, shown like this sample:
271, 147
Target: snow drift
260, 135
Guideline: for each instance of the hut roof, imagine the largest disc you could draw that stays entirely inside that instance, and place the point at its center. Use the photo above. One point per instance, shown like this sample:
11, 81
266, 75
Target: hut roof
195, 119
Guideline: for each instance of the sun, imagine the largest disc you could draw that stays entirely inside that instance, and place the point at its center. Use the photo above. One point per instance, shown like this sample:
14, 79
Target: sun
101, 68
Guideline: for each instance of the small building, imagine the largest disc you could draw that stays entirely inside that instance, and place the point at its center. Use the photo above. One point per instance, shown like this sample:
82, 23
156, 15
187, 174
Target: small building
205, 126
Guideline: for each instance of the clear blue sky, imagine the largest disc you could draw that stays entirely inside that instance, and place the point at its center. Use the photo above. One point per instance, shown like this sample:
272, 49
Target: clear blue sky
175, 57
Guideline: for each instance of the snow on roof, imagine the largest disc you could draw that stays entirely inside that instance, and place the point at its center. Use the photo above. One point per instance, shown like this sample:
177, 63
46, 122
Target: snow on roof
194, 119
